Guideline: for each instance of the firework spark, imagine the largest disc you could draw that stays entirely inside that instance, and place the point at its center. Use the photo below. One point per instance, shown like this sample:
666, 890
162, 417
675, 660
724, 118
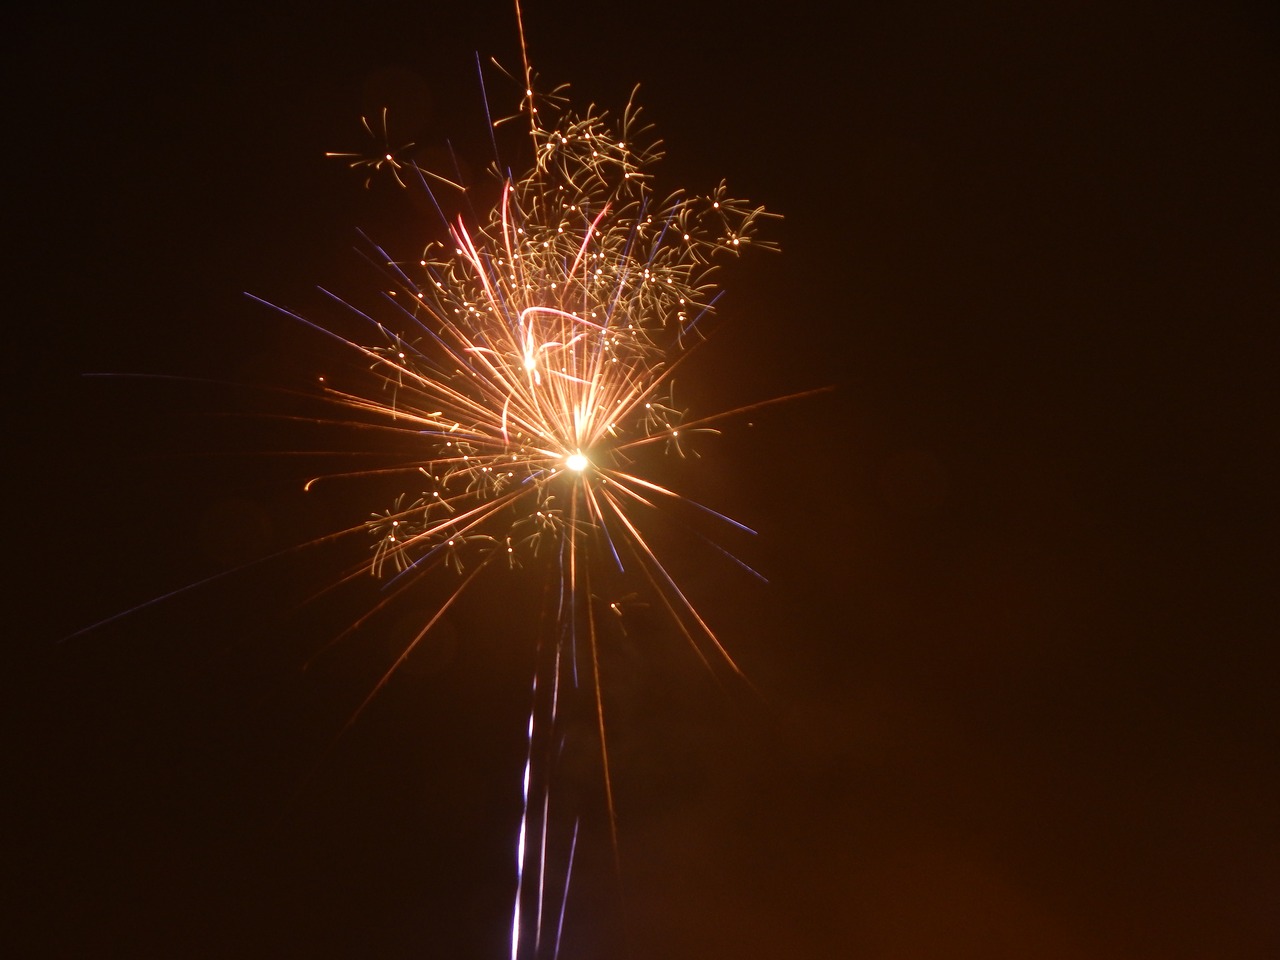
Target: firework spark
386, 157
532, 360
536, 356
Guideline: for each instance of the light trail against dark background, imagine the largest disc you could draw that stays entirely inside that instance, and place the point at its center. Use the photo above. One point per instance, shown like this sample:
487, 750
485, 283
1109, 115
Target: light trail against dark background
1017, 648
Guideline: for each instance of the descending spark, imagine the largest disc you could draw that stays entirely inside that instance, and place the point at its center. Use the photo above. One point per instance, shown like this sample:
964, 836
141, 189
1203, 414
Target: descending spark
384, 158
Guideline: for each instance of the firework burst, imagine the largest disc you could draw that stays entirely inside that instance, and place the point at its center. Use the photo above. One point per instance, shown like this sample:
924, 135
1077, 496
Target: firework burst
535, 353
527, 365
531, 361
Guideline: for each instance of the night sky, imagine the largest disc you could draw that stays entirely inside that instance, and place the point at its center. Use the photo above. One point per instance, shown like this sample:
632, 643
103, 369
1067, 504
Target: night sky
1014, 669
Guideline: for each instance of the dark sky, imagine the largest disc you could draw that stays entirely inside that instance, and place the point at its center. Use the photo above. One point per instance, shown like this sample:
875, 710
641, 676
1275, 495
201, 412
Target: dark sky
1016, 661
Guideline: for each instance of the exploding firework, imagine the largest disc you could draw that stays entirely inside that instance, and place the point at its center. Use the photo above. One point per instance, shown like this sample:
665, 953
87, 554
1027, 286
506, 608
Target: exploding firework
535, 357
532, 360
528, 365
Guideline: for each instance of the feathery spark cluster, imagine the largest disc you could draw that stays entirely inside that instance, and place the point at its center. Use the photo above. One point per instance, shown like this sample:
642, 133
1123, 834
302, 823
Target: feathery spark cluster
538, 347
